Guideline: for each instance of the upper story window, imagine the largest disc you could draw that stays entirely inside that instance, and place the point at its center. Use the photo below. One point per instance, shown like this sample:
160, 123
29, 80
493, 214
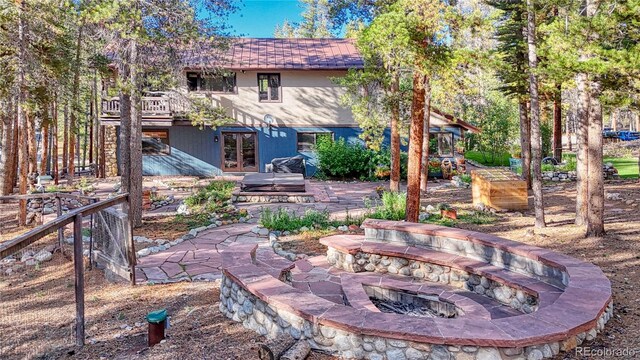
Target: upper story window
155, 142
219, 83
269, 88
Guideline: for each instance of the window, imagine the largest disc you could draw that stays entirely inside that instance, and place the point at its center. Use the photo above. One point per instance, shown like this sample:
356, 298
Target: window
445, 144
269, 87
220, 83
155, 142
308, 140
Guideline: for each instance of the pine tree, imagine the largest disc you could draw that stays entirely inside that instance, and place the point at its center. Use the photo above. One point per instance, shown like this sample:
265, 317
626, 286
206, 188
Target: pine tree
316, 22
536, 139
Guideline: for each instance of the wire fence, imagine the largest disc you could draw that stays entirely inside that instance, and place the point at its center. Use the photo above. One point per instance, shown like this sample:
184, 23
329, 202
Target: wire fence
37, 315
42, 277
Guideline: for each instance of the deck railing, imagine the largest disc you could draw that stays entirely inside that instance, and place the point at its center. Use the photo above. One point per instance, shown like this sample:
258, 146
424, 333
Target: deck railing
156, 104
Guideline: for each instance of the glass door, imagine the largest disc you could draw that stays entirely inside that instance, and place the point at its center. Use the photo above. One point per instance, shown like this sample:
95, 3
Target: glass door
248, 152
239, 151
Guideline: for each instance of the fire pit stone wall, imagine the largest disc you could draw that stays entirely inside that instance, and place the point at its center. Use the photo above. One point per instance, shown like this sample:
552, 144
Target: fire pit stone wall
507, 295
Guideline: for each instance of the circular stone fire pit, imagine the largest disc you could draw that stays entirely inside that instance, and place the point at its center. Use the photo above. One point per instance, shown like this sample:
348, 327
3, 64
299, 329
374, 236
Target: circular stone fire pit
408, 303
478, 296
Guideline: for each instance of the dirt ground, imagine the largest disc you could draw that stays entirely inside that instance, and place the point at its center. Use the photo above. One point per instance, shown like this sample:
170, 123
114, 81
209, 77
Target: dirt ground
161, 228
37, 304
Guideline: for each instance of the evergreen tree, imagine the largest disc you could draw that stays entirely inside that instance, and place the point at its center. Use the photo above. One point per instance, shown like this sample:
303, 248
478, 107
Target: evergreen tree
316, 22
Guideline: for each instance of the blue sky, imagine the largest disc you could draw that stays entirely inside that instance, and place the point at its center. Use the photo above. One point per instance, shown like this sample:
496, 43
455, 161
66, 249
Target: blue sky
258, 18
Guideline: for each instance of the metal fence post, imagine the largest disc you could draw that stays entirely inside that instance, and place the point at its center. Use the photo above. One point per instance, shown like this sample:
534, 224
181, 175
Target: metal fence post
78, 264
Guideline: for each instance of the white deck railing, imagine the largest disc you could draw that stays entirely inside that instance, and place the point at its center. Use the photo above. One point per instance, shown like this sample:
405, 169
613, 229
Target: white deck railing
162, 104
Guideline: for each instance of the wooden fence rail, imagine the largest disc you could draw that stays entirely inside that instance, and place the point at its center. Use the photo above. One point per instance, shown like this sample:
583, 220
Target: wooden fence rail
75, 216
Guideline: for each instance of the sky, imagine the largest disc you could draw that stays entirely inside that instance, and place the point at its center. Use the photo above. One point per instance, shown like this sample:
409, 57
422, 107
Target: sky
258, 18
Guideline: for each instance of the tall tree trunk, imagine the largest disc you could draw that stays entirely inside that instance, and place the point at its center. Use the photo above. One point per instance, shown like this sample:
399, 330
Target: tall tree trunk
582, 154
394, 184
45, 147
569, 133
557, 123
65, 137
131, 136
23, 146
33, 148
15, 162
415, 147
525, 141
54, 148
424, 171
73, 125
85, 143
536, 139
7, 146
595, 177
91, 126
95, 129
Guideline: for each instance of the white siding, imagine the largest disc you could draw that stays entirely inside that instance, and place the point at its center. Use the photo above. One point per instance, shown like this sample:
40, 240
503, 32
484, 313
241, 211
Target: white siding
309, 98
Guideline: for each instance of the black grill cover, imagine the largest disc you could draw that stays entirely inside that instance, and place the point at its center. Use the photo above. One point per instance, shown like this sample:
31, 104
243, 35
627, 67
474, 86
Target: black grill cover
292, 165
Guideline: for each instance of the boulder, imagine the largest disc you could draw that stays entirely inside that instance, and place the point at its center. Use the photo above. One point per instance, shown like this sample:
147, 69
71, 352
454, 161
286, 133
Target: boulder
43, 255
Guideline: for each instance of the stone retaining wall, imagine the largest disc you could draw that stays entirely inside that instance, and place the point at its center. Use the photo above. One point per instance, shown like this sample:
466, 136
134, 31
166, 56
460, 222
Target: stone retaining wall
608, 170
471, 248
36, 208
272, 198
509, 296
240, 305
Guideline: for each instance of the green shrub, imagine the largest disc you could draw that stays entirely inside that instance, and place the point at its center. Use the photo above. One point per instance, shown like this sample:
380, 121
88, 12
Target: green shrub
393, 207
211, 197
193, 221
548, 167
284, 220
443, 206
569, 165
340, 159
477, 217
465, 178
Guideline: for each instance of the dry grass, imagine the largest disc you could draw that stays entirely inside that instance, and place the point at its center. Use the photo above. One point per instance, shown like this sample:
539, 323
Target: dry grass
306, 242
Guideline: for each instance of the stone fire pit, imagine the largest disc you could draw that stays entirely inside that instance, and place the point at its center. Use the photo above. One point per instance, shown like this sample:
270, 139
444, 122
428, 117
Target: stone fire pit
478, 296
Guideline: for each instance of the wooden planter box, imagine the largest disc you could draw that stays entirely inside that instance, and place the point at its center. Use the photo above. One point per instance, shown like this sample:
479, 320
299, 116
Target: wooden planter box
499, 189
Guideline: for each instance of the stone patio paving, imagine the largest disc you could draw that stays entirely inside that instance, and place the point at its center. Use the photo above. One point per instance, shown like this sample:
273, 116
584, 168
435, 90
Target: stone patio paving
199, 258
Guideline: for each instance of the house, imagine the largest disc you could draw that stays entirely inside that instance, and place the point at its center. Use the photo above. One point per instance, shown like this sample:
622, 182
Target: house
280, 95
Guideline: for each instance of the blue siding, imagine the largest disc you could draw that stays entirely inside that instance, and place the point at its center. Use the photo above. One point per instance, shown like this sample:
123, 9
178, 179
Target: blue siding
194, 152
278, 142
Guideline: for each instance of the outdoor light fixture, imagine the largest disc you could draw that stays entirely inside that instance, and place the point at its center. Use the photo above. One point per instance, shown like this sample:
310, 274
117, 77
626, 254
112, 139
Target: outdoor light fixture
216, 138
269, 120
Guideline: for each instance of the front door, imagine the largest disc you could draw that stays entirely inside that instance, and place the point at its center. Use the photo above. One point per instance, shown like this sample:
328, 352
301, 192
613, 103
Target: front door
239, 152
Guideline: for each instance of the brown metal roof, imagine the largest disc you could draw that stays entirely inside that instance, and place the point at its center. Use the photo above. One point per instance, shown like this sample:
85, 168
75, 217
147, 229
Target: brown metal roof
279, 54
455, 121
